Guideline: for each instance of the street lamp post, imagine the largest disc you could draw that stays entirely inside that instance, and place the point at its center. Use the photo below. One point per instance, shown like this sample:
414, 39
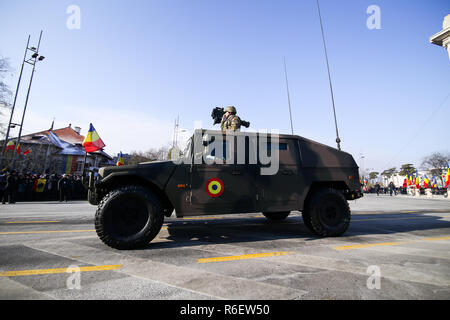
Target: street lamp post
35, 57
14, 105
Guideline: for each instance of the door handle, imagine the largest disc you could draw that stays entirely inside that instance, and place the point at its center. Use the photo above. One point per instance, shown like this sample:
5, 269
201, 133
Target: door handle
236, 173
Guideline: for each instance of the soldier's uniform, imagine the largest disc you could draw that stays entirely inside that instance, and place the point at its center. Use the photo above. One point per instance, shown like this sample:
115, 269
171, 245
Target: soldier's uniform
232, 122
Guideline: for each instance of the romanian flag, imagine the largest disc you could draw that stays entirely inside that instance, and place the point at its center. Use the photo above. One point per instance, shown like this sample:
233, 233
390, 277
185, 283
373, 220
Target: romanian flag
27, 152
434, 185
447, 177
39, 185
409, 180
10, 146
120, 161
425, 182
417, 181
71, 164
92, 142
18, 149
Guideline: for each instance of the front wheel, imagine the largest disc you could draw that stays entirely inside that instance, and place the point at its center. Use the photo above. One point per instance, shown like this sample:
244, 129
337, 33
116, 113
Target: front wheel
128, 217
277, 216
327, 213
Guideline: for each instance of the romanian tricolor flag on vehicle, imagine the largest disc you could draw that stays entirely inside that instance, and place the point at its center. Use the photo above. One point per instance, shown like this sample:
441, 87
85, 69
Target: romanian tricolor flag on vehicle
92, 142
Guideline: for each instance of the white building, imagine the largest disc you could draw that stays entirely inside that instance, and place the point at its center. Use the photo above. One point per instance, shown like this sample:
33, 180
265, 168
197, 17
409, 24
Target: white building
442, 38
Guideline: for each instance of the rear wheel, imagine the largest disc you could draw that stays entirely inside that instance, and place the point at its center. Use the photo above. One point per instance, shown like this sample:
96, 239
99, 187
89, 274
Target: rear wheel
128, 217
276, 216
327, 213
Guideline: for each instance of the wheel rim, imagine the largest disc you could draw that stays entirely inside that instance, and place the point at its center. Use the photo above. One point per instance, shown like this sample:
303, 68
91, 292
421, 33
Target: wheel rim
331, 213
128, 217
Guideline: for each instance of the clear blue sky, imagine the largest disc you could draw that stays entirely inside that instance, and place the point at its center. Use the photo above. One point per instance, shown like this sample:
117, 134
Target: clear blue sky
133, 66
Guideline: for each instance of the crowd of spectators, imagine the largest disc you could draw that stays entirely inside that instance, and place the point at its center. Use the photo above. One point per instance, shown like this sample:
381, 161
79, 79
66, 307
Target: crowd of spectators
378, 189
29, 186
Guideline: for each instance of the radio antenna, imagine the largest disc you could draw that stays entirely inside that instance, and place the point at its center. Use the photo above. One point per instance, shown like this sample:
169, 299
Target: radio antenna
338, 140
289, 98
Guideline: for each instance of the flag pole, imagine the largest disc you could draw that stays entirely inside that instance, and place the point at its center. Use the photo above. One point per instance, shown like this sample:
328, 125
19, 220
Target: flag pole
83, 178
84, 164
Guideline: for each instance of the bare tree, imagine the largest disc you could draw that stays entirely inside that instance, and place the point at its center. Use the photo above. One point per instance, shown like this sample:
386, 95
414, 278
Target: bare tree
436, 163
5, 92
153, 154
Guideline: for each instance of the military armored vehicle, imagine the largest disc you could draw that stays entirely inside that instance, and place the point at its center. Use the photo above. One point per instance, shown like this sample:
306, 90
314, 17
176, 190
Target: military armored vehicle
227, 173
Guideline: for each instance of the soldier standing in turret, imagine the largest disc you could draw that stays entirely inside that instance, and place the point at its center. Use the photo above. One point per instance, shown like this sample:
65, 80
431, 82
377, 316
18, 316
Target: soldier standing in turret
230, 121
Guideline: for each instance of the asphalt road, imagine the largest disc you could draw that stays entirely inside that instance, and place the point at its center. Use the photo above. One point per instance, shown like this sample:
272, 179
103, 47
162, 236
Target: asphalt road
395, 248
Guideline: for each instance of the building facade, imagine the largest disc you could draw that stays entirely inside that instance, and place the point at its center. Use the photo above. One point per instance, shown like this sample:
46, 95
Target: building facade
50, 151
442, 38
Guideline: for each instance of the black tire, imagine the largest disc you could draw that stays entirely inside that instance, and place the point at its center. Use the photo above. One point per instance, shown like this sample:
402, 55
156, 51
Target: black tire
327, 213
128, 218
276, 216
307, 220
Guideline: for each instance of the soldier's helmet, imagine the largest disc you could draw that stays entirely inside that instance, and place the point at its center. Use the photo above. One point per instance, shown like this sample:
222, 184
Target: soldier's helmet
230, 109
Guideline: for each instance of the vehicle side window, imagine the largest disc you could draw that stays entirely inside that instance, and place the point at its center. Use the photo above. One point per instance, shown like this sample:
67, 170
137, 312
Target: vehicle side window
227, 156
288, 152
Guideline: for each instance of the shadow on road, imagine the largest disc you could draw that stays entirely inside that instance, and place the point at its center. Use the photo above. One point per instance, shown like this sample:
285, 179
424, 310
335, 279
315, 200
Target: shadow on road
209, 231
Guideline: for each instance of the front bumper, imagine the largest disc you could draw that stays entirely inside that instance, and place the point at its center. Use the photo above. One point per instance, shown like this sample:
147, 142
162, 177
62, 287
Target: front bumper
353, 194
92, 194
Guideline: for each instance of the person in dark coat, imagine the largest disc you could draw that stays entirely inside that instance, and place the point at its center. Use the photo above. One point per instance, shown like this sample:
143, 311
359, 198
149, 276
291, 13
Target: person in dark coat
377, 189
10, 188
392, 188
2, 183
63, 188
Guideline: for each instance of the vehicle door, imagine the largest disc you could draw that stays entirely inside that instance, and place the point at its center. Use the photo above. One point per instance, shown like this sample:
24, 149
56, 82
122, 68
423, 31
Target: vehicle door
280, 191
218, 183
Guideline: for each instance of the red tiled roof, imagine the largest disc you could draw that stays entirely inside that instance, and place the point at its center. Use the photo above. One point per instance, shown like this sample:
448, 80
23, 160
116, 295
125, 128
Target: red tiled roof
67, 134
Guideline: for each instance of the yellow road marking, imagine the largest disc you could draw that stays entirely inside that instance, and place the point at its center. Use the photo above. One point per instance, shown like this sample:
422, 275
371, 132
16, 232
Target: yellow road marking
368, 245
366, 212
437, 239
57, 270
243, 257
377, 219
201, 218
49, 231
32, 221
